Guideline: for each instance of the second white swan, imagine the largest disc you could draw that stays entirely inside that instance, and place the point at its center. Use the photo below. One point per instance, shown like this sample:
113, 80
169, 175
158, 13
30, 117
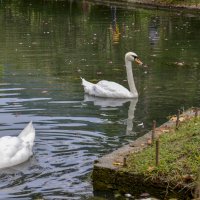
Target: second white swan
16, 150
114, 90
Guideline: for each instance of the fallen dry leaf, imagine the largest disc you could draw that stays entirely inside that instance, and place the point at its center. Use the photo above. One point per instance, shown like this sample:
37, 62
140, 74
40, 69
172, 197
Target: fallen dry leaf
149, 141
150, 168
181, 119
117, 163
174, 118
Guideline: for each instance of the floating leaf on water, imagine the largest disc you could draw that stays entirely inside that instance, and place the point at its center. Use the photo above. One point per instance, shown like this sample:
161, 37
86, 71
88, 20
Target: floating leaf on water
44, 92
179, 63
128, 195
116, 69
141, 124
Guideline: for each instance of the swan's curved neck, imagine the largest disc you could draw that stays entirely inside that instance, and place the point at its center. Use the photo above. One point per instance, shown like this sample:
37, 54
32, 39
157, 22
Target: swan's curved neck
130, 78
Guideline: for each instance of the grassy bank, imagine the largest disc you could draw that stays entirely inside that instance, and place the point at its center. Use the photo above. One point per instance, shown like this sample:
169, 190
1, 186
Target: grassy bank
179, 158
180, 3
191, 4
168, 4
132, 168
183, 2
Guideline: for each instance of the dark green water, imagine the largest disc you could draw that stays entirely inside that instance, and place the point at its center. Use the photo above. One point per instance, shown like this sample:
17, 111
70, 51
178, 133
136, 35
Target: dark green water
45, 46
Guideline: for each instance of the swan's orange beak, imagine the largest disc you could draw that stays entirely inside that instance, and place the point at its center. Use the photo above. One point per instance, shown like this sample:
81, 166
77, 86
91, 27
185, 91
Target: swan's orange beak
138, 61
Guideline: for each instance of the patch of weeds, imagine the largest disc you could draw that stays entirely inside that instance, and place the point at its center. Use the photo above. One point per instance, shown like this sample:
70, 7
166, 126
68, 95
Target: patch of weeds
179, 156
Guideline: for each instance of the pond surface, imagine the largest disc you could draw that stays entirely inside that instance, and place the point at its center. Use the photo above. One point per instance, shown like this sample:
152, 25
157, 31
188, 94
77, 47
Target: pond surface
46, 46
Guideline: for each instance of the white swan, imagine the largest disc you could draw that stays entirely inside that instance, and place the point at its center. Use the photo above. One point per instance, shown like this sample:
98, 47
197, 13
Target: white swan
15, 150
114, 90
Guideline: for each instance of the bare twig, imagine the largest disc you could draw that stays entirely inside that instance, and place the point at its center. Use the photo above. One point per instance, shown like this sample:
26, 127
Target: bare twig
177, 120
153, 131
157, 151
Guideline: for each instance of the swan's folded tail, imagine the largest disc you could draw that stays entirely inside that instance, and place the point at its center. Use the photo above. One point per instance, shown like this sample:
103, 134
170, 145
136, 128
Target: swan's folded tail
87, 85
28, 133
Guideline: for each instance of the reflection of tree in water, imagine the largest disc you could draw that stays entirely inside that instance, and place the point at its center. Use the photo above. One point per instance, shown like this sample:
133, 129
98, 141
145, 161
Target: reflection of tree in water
115, 27
85, 7
153, 31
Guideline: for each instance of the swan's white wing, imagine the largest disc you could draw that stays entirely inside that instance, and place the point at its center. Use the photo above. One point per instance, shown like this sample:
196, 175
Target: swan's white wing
111, 86
13, 151
9, 146
112, 89
106, 89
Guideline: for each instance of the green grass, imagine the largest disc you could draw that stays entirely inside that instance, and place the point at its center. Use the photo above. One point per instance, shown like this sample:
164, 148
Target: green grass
179, 157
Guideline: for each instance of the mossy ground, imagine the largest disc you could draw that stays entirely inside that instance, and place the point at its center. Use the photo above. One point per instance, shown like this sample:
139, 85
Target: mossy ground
179, 2
179, 157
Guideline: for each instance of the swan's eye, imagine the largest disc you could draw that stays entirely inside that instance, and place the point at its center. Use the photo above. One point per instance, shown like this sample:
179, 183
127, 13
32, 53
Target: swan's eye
134, 57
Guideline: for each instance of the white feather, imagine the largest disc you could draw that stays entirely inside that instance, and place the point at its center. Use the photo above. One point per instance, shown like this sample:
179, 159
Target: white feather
15, 150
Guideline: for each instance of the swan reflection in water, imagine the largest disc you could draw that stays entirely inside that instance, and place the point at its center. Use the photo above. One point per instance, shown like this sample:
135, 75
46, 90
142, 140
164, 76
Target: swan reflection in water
111, 102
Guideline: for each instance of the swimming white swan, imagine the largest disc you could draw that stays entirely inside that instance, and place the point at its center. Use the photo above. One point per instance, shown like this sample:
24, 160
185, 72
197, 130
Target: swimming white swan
15, 150
114, 90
